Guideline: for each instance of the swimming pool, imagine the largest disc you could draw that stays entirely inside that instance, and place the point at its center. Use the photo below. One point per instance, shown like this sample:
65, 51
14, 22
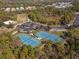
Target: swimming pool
29, 40
49, 36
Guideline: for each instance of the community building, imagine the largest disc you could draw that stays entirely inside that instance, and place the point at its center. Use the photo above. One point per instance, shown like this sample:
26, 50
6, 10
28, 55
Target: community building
22, 18
9, 22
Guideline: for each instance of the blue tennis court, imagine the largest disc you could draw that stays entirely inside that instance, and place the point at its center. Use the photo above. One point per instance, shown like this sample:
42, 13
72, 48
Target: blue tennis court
49, 36
28, 40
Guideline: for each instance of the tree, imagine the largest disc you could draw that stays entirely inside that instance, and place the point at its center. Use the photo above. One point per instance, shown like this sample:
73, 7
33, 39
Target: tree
74, 33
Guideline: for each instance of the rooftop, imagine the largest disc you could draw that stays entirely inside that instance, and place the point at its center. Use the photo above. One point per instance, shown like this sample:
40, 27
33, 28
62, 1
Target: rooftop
62, 4
9, 22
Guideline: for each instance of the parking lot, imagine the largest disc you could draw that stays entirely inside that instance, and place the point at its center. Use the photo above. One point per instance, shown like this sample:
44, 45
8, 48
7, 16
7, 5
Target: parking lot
32, 26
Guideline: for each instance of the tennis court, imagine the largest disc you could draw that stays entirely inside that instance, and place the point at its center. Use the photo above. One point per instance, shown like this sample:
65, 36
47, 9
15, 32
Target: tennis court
28, 40
49, 36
